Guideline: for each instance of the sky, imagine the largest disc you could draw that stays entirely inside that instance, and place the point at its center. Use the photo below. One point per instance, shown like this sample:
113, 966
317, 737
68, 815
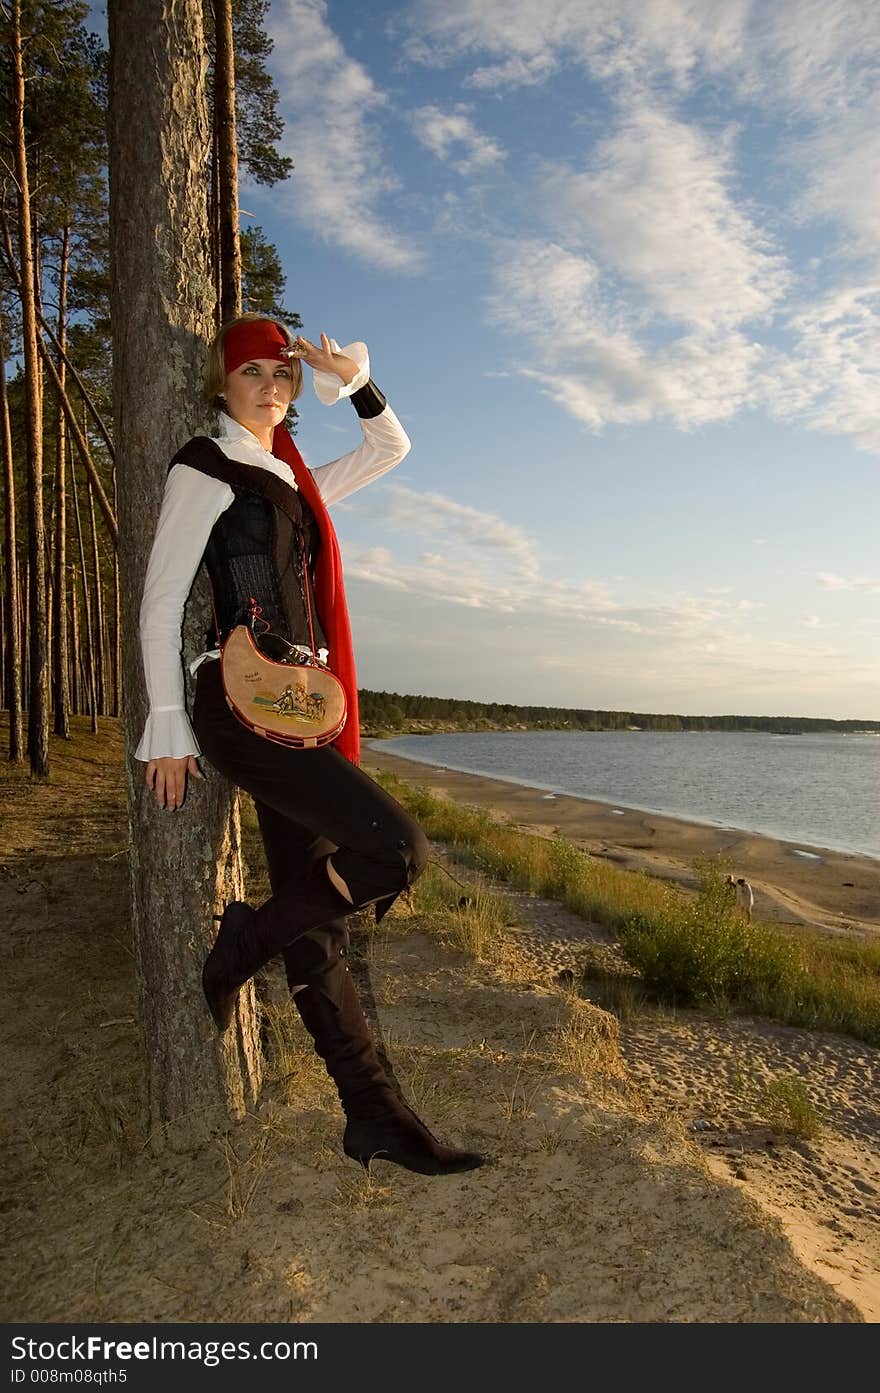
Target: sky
618, 266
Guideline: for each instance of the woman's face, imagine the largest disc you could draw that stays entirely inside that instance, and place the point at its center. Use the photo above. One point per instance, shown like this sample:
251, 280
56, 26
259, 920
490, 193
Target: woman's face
258, 394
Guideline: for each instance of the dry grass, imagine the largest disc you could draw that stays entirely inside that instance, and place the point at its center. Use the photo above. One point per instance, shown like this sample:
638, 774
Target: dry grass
587, 1042
293, 1066
516, 1102
551, 1138
688, 949
362, 1192
789, 1110
245, 1175
468, 917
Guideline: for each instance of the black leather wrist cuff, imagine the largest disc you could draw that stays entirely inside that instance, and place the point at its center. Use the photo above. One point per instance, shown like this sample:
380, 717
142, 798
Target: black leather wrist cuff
368, 401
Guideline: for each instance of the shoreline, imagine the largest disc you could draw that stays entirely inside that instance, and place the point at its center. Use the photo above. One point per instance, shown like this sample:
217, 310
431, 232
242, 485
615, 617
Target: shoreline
836, 891
806, 846
808, 849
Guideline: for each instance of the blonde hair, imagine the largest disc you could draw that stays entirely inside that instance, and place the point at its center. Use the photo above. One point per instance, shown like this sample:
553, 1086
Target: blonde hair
215, 367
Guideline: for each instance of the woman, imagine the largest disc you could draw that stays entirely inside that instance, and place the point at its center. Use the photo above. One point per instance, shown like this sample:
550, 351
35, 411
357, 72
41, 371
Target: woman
334, 840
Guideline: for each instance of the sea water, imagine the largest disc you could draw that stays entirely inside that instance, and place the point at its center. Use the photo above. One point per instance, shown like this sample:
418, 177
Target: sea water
819, 790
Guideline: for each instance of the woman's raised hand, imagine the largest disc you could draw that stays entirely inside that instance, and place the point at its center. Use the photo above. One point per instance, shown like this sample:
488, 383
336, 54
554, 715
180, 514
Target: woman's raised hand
324, 359
167, 778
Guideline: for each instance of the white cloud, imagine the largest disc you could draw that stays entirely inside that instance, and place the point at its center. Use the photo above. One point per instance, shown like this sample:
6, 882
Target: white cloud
514, 72
811, 55
830, 381
655, 211
434, 515
584, 353
611, 38
341, 185
815, 57
841, 171
376, 556
480, 561
453, 133
868, 584
655, 207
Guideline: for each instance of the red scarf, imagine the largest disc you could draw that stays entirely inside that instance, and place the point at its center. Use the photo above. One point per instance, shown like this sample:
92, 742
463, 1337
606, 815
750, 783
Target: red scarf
329, 592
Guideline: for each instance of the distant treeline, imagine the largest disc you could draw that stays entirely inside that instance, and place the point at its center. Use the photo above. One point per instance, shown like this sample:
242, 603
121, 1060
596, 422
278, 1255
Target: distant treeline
390, 711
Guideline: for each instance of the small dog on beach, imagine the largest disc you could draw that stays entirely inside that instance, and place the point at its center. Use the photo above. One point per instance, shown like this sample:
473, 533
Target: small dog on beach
745, 895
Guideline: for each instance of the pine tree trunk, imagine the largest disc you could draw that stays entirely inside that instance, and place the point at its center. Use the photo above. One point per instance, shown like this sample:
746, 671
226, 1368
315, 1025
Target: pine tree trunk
11, 596
214, 226
226, 147
187, 864
87, 654
38, 695
117, 642
75, 685
61, 690
117, 632
100, 676
24, 591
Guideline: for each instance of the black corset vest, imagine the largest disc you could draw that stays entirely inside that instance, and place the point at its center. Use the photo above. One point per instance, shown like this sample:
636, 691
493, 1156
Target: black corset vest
253, 552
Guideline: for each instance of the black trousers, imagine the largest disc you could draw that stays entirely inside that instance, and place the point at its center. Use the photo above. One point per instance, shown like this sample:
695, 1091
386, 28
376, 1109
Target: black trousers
310, 804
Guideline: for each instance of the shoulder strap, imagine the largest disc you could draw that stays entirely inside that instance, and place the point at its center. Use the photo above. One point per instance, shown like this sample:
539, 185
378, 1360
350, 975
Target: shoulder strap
205, 454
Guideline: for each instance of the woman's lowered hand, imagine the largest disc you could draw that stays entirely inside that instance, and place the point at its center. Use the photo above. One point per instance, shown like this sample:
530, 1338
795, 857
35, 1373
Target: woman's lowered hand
167, 778
324, 359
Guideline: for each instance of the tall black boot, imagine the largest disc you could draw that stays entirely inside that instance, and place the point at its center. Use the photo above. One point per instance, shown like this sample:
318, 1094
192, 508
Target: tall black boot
379, 1125
248, 938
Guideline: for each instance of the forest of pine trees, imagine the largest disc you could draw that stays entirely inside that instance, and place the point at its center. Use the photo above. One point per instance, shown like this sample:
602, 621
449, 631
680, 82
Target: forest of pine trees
389, 712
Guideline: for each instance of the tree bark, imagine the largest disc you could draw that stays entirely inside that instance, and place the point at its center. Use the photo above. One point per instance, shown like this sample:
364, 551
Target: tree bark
38, 696
100, 645
117, 642
24, 591
184, 865
11, 597
87, 653
214, 228
61, 690
117, 630
226, 155
75, 683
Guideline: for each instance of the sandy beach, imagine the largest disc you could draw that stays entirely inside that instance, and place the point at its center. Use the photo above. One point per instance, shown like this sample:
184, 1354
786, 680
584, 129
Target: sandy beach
633, 1172
793, 883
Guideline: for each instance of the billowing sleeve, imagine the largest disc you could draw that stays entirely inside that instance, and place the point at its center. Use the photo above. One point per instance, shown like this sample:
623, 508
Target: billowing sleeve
329, 389
191, 505
385, 443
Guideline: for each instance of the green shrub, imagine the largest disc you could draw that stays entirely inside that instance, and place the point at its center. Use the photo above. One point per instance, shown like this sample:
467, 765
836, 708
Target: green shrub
687, 948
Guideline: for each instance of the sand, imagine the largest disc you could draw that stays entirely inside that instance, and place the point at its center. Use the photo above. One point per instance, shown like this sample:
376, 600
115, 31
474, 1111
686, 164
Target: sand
711, 1075
631, 1178
826, 889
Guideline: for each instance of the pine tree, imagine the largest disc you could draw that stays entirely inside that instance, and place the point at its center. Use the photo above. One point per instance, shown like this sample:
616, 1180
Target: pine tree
187, 864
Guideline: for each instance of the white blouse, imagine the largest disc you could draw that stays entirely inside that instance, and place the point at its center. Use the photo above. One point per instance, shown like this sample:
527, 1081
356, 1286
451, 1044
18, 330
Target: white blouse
192, 504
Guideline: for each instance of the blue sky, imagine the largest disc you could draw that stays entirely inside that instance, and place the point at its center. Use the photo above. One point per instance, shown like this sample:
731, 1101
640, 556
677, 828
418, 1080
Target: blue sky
618, 266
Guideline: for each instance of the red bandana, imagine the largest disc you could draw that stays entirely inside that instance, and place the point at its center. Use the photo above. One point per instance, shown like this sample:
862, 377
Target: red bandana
329, 590
254, 338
